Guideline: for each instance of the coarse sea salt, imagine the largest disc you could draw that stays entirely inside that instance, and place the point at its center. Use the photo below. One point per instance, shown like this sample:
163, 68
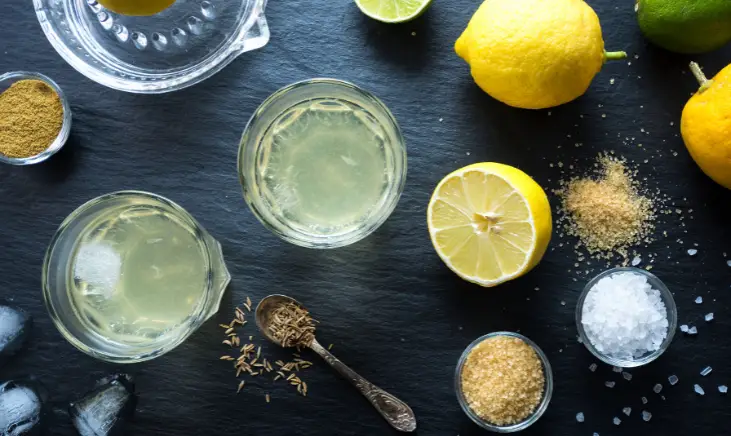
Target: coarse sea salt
657, 388
698, 300
673, 380
627, 410
708, 317
699, 390
707, 370
579, 417
616, 421
723, 389
624, 316
609, 384
593, 367
646, 416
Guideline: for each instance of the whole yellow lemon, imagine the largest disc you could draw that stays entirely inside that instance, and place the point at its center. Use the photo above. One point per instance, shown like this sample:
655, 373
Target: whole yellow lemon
706, 125
136, 7
534, 54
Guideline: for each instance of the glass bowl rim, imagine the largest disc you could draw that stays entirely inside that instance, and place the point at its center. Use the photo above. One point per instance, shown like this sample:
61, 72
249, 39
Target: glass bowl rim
187, 77
670, 307
540, 408
59, 318
394, 191
63, 134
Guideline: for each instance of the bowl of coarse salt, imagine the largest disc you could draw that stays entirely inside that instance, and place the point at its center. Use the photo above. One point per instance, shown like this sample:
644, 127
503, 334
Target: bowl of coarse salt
626, 317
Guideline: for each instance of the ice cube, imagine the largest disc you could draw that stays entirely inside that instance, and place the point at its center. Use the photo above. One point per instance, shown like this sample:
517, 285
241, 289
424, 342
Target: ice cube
579, 417
627, 410
698, 300
673, 380
722, 389
684, 328
699, 390
21, 404
709, 317
646, 416
15, 326
616, 421
707, 370
592, 367
657, 388
627, 376
105, 409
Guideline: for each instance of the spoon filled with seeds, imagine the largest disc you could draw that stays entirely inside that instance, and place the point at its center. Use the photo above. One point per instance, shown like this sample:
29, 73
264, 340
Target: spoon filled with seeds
284, 321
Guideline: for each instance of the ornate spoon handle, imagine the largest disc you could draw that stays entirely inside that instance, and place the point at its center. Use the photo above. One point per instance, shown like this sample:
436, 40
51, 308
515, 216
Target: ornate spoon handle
396, 412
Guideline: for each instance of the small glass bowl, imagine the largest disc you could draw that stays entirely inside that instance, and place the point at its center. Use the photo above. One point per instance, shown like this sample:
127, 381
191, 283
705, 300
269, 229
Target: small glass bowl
668, 300
252, 153
540, 409
6, 80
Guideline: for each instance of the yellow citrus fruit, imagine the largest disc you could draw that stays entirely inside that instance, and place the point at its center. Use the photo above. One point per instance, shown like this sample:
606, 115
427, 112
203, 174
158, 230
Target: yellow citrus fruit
489, 222
706, 125
136, 7
534, 54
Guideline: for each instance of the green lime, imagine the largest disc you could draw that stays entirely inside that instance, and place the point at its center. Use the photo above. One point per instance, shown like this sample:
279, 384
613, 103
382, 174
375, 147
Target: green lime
686, 26
393, 11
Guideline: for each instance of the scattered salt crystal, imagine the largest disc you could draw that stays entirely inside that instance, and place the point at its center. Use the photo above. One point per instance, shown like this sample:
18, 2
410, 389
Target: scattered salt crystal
595, 434
684, 328
627, 376
644, 400
673, 380
636, 261
722, 389
698, 300
693, 331
624, 316
657, 388
646, 416
563, 303
616, 369
592, 367
616, 421
627, 410
579, 417
728, 262
699, 390
707, 370
609, 384
709, 317
692, 251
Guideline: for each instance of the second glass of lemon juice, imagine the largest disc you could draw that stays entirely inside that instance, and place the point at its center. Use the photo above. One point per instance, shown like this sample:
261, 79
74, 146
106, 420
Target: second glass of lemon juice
322, 163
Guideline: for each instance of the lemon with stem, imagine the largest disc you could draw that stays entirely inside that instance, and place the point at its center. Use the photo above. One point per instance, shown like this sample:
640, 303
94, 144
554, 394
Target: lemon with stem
534, 54
706, 125
137, 7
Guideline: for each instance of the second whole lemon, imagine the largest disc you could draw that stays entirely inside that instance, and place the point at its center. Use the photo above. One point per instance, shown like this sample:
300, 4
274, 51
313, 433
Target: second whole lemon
706, 125
137, 7
534, 54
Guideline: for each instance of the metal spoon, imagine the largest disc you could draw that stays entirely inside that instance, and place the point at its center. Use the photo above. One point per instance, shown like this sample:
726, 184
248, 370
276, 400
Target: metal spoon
396, 412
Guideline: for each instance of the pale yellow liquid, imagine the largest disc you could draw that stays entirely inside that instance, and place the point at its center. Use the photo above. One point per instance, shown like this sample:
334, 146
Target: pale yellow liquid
137, 273
324, 166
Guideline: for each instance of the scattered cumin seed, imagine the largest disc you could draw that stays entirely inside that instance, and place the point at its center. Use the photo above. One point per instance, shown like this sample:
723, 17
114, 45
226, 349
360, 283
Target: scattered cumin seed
229, 330
227, 358
267, 397
227, 342
224, 326
241, 386
248, 301
330, 347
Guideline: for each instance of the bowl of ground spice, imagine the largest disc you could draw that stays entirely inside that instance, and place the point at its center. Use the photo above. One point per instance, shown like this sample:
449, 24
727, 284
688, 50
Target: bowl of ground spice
503, 382
35, 118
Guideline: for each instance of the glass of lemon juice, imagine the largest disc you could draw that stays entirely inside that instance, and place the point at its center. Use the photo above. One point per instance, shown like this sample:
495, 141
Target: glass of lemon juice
130, 275
322, 163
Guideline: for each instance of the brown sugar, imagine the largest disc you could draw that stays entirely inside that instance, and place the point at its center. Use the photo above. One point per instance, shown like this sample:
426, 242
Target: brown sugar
31, 117
503, 380
607, 213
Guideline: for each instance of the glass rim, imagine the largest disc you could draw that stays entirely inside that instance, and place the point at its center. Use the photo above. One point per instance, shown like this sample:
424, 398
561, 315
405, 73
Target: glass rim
249, 143
59, 319
63, 134
540, 408
670, 308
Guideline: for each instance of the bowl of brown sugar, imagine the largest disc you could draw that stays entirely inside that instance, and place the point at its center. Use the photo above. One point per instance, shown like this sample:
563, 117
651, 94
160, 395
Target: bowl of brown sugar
35, 118
503, 382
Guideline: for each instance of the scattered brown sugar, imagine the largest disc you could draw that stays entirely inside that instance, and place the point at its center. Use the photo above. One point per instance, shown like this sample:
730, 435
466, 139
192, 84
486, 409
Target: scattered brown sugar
502, 380
608, 213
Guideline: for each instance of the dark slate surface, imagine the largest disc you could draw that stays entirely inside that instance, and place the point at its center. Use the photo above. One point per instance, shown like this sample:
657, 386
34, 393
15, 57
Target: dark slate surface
393, 311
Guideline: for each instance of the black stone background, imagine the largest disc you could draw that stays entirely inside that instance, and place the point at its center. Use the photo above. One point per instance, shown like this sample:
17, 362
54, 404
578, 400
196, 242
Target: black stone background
393, 311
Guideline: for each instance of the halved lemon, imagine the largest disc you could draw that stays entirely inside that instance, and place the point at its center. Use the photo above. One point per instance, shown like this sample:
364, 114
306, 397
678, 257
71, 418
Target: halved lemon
489, 222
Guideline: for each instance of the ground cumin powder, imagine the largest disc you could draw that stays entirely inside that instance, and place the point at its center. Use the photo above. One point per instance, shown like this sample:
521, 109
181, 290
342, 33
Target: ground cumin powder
31, 116
503, 380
